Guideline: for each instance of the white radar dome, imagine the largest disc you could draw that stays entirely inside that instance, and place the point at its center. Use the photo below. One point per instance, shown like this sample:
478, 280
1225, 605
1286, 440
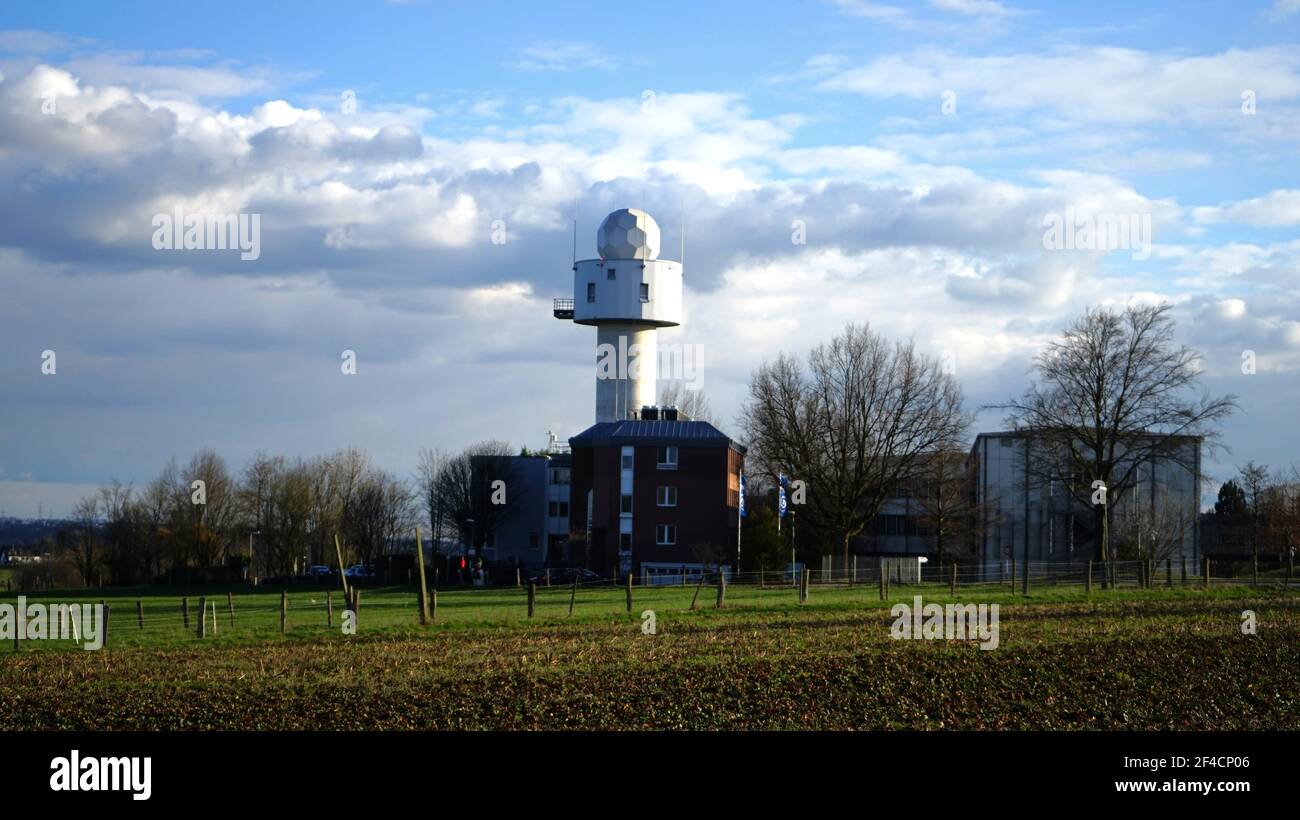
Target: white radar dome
628, 233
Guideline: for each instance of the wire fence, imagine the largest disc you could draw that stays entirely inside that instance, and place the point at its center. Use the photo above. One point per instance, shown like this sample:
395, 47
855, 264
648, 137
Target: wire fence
138, 619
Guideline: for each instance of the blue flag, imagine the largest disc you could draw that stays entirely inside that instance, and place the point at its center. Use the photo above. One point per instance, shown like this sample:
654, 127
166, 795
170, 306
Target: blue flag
742, 494
780, 497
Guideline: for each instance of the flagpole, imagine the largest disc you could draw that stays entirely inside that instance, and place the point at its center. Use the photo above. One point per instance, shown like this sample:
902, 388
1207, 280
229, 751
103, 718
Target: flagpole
740, 512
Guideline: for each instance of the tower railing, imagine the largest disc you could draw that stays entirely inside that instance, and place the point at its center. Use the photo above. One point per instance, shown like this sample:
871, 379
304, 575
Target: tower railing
562, 308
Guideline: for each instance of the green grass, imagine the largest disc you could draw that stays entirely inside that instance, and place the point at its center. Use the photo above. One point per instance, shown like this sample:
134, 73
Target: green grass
394, 610
1167, 659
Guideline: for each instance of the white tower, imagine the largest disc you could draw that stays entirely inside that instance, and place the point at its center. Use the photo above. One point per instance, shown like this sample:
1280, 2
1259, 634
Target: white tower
628, 294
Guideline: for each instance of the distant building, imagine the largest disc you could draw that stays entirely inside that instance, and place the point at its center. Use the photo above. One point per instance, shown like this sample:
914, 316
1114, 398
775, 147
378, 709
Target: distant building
534, 521
1034, 519
1039, 521
654, 496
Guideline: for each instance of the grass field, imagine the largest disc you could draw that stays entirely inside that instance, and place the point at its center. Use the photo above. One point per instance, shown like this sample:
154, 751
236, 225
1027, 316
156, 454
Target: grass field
1121, 659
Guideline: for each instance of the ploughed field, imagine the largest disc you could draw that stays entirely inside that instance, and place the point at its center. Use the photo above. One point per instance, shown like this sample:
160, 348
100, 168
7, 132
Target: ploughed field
1130, 659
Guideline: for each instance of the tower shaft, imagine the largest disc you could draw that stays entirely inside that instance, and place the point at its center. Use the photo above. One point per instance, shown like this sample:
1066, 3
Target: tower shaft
627, 367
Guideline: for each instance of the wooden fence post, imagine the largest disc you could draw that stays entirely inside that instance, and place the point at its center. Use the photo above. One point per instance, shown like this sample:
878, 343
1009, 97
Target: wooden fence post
1169, 572
629, 592
1089, 582
882, 579
532, 598
214, 617
230, 605
722, 589
185, 611
573, 593
1184, 563
284, 609
952, 585
329, 609
424, 591
433, 605
548, 576
1205, 578
696, 597
356, 606
807, 578
203, 617
1013, 573
519, 578
139, 613
107, 612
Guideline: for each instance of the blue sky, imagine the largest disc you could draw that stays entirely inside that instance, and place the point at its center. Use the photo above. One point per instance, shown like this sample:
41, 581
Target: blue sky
734, 119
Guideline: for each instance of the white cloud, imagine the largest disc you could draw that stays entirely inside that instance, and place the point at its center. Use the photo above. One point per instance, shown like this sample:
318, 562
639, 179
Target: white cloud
1275, 209
1089, 84
564, 55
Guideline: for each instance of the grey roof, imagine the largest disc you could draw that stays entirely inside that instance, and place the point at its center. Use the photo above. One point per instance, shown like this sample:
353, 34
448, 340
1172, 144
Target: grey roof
633, 432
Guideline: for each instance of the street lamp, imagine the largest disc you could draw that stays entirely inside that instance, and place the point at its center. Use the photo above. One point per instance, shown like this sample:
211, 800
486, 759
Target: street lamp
251, 570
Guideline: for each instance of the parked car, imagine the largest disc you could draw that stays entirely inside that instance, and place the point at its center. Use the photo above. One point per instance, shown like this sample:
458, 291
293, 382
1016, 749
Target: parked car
320, 571
360, 572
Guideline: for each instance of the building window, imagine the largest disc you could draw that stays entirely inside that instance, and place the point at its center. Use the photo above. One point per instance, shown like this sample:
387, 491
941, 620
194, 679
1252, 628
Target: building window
609, 273
625, 542
667, 458
645, 292
591, 291
665, 534
667, 497
553, 508
625, 504
561, 475
627, 461
564, 509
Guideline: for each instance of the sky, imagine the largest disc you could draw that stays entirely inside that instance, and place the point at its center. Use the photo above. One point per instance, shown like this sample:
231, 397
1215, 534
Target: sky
829, 162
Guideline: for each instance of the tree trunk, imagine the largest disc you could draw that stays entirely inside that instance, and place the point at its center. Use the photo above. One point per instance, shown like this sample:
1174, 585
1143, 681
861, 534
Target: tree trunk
1101, 528
846, 558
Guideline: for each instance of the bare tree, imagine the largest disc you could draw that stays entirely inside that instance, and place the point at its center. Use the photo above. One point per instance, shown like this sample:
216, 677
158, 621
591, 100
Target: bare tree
215, 521
436, 505
1282, 514
378, 510
1152, 529
1255, 483
692, 403
853, 427
84, 542
466, 482
1113, 394
947, 507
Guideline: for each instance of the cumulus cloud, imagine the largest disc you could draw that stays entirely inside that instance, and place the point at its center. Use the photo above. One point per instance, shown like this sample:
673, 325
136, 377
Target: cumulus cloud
378, 236
1276, 209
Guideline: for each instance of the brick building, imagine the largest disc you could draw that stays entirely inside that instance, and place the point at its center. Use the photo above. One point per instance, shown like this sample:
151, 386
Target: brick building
656, 496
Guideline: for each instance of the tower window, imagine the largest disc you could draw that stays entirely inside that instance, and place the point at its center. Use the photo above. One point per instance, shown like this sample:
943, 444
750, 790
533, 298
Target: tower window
591, 291
609, 273
645, 292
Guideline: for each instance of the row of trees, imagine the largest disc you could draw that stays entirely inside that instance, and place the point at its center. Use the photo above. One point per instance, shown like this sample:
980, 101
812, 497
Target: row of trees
1259, 509
277, 515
